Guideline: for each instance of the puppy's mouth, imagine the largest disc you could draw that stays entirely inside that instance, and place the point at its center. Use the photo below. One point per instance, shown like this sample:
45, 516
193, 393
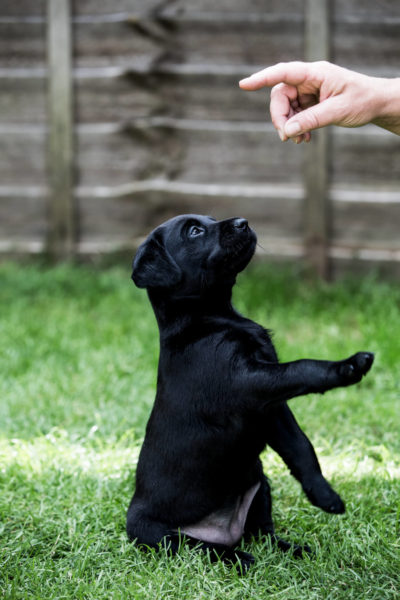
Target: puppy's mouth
238, 244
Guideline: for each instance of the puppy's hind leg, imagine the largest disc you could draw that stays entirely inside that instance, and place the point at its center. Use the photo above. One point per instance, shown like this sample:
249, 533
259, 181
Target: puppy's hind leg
143, 530
259, 521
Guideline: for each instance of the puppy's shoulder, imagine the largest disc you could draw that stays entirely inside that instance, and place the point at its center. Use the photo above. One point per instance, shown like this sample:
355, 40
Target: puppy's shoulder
252, 339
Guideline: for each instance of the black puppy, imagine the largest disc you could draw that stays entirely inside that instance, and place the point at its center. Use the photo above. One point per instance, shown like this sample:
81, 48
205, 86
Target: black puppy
221, 397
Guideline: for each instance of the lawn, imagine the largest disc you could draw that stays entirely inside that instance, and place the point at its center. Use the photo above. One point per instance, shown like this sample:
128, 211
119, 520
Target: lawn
78, 369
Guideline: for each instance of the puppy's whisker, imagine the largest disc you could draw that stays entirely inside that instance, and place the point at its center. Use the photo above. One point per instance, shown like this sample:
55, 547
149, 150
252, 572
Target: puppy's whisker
262, 248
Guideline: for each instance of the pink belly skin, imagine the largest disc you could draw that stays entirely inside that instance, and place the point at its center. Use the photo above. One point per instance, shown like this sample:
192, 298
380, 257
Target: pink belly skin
224, 527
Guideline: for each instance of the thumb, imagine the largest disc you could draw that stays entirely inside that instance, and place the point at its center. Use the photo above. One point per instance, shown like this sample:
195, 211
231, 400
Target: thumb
325, 113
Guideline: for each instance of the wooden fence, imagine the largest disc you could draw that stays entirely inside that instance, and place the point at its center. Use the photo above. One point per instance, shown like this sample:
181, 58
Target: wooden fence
117, 114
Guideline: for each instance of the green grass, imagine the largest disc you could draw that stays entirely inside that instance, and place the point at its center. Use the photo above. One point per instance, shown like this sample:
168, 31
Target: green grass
78, 369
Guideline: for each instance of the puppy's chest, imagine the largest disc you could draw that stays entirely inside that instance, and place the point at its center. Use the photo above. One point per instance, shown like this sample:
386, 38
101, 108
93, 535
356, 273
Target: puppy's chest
216, 345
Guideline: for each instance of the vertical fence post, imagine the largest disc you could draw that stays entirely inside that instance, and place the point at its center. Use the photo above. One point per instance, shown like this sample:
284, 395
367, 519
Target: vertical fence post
316, 167
62, 224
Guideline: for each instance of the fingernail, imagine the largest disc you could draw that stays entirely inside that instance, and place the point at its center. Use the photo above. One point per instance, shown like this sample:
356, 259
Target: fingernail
282, 135
245, 80
292, 129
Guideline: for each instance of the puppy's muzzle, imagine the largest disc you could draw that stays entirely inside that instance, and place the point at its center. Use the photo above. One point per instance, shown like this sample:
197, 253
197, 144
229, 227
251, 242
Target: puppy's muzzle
241, 224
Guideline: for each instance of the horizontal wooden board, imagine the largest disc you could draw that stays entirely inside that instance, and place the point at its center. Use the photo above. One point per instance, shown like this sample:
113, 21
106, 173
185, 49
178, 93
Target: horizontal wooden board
176, 95
22, 43
375, 225
351, 265
361, 219
22, 8
230, 43
95, 43
366, 10
22, 217
107, 7
366, 155
22, 156
121, 220
23, 100
197, 151
98, 43
108, 156
121, 98
371, 48
216, 40
237, 6
188, 151
354, 9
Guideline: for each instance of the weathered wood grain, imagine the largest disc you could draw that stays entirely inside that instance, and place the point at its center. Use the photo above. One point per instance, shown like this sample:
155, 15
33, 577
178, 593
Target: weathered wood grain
23, 156
177, 150
217, 40
239, 6
62, 217
161, 126
370, 48
102, 97
22, 217
198, 151
22, 44
124, 219
11, 8
317, 155
367, 155
366, 224
384, 10
23, 100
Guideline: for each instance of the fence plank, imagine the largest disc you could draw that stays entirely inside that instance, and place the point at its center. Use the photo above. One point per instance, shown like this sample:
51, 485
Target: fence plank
62, 225
316, 208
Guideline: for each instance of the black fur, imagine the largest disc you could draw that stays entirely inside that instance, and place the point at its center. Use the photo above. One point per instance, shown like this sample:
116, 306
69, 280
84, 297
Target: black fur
221, 393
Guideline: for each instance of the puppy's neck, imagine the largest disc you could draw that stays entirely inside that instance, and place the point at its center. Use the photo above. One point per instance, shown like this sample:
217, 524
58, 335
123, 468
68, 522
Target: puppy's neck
177, 308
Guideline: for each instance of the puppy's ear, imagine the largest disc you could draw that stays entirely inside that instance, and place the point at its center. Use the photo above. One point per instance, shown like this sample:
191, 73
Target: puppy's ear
154, 267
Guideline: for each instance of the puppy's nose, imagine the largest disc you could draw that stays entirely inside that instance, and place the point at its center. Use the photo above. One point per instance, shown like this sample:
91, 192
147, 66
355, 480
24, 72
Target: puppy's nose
241, 224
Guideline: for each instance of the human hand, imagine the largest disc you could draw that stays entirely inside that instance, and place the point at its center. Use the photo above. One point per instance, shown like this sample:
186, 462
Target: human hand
306, 96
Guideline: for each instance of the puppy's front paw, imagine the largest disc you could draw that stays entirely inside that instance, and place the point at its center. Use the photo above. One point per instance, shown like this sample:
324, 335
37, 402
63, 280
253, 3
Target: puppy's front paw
354, 368
322, 495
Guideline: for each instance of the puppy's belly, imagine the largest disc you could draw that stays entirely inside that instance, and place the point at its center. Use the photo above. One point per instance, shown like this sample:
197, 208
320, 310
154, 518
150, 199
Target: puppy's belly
225, 526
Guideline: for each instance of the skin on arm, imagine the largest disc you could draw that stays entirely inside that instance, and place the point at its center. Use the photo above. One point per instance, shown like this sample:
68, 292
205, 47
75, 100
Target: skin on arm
306, 96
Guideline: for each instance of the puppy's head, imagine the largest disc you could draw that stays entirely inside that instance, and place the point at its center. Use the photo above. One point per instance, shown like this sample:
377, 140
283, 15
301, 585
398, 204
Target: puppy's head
192, 253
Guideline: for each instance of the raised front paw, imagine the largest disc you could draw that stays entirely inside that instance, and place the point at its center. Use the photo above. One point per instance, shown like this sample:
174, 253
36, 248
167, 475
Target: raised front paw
322, 495
354, 368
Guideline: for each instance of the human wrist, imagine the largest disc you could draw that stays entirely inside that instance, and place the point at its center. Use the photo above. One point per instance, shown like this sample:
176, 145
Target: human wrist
387, 110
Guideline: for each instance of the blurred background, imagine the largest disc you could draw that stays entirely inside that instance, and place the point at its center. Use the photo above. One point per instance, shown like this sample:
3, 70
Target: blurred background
118, 114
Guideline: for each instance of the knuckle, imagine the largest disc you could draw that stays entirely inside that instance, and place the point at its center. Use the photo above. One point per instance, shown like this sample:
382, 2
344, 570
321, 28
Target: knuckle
277, 89
311, 122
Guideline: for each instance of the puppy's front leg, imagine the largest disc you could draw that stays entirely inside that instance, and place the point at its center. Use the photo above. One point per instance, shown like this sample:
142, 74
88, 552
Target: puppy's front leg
290, 442
277, 382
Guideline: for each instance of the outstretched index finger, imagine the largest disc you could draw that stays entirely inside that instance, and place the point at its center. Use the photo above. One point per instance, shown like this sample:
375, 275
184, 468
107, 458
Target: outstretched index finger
292, 73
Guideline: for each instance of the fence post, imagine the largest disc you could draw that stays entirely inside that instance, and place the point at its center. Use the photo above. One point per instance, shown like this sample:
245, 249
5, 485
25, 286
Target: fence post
62, 218
317, 159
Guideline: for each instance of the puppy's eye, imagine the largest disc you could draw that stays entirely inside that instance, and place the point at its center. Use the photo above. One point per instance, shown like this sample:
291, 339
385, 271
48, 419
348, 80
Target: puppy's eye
195, 231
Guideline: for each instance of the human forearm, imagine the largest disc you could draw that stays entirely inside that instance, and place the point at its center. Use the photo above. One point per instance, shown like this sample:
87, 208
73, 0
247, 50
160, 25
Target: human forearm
388, 105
